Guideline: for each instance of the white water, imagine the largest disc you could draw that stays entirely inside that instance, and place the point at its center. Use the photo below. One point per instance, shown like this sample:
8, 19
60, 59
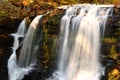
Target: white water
81, 28
13, 70
30, 44
21, 29
17, 69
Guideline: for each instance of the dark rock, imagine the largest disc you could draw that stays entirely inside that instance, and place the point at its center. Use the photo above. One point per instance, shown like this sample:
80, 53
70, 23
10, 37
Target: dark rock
7, 26
118, 47
5, 40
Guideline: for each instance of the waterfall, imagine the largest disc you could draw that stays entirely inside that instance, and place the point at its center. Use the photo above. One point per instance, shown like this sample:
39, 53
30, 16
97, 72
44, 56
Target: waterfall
81, 29
17, 68
30, 45
21, 29
12, 65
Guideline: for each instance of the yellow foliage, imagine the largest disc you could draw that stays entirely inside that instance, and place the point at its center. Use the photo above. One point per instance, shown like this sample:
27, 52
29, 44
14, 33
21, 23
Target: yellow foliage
113, 53
114, 75
109, 40
115, 72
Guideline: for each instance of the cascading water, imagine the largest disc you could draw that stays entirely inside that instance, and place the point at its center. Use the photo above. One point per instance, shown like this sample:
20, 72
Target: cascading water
21, 29
12, 65
81, 28
30, 45
17, 68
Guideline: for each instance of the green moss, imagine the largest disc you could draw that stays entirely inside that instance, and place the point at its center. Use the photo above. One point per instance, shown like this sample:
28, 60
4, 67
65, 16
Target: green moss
25, 14
117, 32
53, 24
3, 14
113, 53
109, 40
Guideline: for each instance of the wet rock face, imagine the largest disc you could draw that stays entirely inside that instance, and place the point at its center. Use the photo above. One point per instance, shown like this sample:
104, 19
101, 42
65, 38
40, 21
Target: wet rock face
110, 57
116, 25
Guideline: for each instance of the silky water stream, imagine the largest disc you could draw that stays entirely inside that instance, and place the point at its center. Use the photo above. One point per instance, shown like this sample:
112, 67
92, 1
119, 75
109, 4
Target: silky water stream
82, 26
17, 68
